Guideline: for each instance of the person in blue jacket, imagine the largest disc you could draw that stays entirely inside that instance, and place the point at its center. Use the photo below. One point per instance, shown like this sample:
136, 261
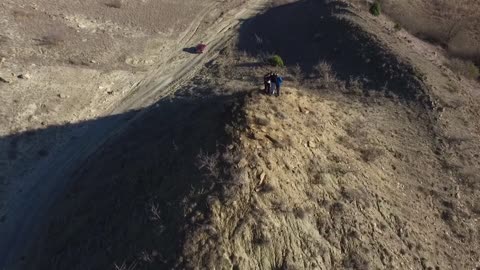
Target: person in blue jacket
278, 82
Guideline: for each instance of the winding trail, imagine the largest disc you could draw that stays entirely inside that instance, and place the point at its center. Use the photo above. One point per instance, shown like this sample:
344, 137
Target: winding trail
27, 211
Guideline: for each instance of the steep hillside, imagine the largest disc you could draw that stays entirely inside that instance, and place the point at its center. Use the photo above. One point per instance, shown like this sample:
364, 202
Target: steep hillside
324, 180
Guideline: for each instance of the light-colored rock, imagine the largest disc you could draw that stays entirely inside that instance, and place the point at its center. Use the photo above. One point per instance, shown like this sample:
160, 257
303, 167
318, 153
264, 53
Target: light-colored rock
262, 176
25, 76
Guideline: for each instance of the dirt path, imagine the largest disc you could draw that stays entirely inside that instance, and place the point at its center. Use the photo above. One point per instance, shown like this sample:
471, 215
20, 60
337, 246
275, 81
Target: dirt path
26, 210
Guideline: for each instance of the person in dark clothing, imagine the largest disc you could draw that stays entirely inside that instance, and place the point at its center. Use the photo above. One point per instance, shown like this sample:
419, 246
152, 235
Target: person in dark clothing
267, 82
273, 79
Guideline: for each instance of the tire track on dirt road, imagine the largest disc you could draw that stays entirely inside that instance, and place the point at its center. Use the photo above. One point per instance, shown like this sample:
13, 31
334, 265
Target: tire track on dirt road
27, 211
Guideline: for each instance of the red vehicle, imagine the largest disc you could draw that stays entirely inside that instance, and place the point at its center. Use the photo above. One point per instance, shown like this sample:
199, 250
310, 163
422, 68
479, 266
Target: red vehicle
200, 48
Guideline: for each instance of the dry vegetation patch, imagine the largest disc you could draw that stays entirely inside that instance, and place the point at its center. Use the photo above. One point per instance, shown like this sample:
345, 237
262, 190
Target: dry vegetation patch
455, 25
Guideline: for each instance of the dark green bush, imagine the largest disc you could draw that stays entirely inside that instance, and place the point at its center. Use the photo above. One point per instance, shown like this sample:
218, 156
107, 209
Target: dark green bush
375, 9
276, 60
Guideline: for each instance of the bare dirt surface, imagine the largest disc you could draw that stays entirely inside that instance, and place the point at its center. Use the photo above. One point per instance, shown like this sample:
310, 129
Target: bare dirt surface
368, 160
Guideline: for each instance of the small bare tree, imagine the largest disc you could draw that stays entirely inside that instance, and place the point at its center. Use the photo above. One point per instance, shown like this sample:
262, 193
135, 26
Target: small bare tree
155, 213
124, 266
209, 163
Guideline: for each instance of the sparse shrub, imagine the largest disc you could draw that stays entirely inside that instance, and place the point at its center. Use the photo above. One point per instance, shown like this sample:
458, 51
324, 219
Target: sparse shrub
318, 179
258, 39
279, 206
326, 73
146, 257
209, 163
155, 213
448, 216
337, 208
260, 238
370, 154
356, 130
297, 71
375, 9
324, 69
355, 261
355, 86
114, 4
299, 212
266, 188
52, 39
261, 121
470, 178
276, 61
397, 27
465, 68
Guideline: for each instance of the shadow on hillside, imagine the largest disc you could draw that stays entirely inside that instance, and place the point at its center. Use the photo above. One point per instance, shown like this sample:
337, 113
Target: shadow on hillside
106, 214
309, 31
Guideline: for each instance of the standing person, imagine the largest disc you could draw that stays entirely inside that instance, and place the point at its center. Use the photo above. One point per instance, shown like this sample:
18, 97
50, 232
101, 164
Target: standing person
273, 79
267, 82
278, 83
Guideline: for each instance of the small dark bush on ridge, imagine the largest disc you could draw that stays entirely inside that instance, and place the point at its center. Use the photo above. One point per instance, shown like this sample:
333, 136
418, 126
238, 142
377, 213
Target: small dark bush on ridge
375, 9
276, 60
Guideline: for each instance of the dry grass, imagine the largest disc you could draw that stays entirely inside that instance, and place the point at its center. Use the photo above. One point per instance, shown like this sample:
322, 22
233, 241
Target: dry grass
454, 24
